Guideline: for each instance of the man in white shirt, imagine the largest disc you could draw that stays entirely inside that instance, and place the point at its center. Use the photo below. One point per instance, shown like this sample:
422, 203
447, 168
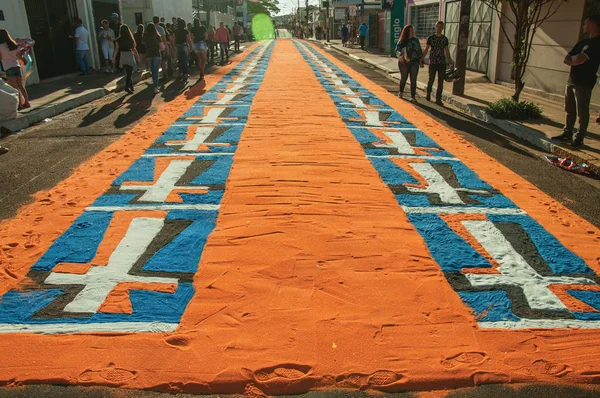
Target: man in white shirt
82, 47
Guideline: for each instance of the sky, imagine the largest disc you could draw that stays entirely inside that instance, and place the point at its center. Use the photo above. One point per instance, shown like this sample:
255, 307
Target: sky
287, 6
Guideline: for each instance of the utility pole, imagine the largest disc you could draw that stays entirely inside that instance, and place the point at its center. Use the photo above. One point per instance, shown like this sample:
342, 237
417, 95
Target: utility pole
462, 48
307, 27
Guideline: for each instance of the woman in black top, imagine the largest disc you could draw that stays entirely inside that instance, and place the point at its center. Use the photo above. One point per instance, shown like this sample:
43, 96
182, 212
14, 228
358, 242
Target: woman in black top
183, 44
199, 34
152, 41
125, 46
139, 44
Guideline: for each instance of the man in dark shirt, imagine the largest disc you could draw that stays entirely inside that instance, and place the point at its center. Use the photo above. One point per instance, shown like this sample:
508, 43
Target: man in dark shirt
584, 60
438, 44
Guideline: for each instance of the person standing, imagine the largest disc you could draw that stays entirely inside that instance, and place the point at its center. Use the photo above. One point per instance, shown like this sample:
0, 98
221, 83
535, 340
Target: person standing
163, 48
237, 31
10, 54
362, 35
200, 47
584, 60
139, 45
153, 40
222, 37
438, 44
230, 36
107, 43
408, 50
82, 47
344, 35
128, 55
210, 40
183, 44
115, 25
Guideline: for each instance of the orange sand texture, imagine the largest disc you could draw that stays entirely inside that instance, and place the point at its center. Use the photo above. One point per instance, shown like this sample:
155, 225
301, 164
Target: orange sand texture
313, 277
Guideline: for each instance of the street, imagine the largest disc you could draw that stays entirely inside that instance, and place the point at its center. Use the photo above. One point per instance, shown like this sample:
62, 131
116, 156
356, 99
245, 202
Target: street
289, 224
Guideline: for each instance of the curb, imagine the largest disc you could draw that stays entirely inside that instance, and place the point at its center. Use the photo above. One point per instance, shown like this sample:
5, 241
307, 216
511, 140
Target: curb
533, 137
30, 118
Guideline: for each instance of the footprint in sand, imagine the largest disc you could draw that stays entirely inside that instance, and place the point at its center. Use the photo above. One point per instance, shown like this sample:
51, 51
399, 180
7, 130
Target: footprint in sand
551, 368
468, 358
286, 371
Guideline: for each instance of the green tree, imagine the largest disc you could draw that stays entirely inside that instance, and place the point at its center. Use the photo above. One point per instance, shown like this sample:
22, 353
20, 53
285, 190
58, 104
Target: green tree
267, 7
525, 16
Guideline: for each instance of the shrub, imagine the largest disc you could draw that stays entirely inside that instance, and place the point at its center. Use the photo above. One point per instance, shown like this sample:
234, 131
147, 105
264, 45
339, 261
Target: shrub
508, 108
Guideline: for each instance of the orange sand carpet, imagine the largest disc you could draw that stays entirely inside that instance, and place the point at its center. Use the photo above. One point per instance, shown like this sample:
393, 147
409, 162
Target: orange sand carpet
314, 276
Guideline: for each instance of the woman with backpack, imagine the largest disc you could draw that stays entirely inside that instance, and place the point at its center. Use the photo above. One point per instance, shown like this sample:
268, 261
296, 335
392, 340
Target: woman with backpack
408, 51
125, 46
140, 46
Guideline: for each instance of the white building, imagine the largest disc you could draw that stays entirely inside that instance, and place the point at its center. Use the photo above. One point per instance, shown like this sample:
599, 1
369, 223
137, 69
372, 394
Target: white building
135, 12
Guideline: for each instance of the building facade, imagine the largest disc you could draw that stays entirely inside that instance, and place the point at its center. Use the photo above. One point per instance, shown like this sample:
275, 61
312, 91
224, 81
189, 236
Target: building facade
490, 52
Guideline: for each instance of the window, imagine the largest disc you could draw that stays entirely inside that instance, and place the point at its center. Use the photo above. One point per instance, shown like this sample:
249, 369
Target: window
423, 18
139, 19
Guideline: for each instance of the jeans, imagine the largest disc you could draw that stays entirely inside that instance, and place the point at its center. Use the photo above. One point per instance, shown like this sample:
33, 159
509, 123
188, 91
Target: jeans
82, 60
154, 63
362, 41
224, 51
237, 43
211, 49
440, 70
577, 102
409, 69
128, 79
183, 53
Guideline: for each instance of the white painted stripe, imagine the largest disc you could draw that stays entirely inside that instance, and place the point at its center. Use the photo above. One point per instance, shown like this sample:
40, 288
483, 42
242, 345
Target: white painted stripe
236, 87
445, 158
463, 210
225, 100
145, 187
153, 207
111, 327
541, 324
200, 136
195, 154
372, 118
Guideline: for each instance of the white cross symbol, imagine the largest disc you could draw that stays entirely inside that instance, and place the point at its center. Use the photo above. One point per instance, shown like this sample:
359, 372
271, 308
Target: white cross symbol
99, 281
514, 270
436, 184
166, 183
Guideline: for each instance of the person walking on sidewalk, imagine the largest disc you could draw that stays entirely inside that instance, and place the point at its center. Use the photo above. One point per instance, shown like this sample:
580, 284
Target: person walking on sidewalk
153, 40
222, 37
183, 44
115, 25
107, 43
344, 35
362, 35
82, 46
408, 50
163, 46
200, 47
210, 36
139, 45
237, 32
438, 44
584, 60
128, 53
10, 53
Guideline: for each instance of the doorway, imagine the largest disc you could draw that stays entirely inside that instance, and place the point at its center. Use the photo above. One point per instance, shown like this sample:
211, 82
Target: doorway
51, 25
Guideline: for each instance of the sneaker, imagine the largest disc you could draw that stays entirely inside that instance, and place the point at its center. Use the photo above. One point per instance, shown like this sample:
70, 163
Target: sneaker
400, 94
156, 90
3, 150
428, 97
413, 100
576, 144
564, 137
439, 102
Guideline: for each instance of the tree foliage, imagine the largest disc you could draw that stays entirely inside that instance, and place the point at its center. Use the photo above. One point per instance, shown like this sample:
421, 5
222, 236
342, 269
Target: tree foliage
525, 16
268, 7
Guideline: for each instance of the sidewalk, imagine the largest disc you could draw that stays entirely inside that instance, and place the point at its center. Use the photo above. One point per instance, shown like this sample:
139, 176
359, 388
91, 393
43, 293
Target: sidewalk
479, 92
55, 96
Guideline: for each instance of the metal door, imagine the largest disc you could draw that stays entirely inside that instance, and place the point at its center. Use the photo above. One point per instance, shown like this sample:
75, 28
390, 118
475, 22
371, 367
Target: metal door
480, 27
50, 22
